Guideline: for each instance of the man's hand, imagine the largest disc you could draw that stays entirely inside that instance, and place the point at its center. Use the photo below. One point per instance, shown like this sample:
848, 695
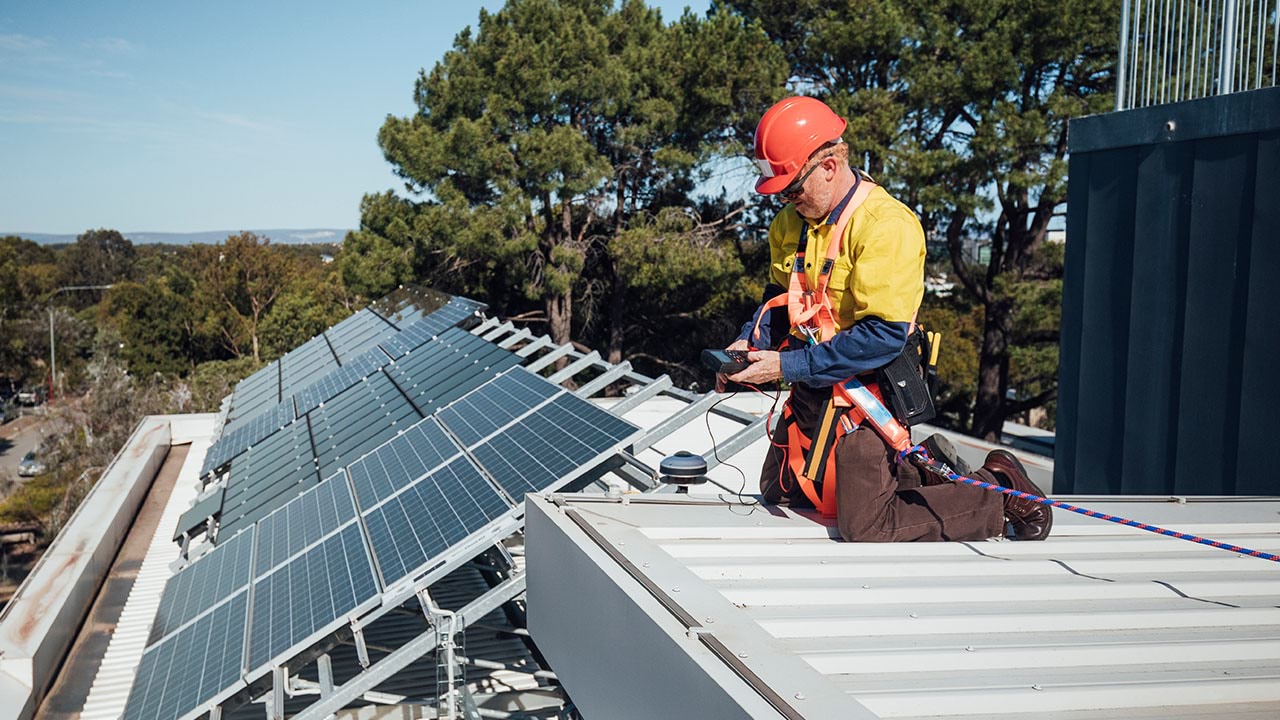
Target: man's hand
766, 367
721, 378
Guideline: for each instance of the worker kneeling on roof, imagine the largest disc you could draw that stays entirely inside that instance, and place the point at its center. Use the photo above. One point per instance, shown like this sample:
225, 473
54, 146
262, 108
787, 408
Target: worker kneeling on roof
838, 322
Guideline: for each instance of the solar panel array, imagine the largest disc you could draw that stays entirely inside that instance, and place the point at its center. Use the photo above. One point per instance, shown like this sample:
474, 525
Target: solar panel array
354, 422
395, 514
331, 362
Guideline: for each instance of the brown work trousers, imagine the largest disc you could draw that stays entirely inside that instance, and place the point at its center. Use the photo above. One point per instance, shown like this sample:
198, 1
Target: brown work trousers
878, 500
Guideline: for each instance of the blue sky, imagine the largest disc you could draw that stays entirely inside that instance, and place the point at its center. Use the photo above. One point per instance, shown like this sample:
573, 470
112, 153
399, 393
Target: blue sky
181, 117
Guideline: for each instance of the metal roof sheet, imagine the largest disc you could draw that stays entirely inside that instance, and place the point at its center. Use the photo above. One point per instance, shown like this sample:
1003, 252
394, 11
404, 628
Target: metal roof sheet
1099, 621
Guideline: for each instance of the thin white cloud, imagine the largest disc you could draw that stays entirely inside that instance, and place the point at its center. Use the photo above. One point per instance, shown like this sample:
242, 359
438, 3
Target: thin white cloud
21, 43
115, 45
318, 235
111, 74
235, 120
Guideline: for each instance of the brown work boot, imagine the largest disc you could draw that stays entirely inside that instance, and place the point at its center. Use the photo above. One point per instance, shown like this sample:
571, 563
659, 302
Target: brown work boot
1030, 520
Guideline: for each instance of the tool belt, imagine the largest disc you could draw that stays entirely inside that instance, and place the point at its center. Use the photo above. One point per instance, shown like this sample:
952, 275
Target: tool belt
904, 381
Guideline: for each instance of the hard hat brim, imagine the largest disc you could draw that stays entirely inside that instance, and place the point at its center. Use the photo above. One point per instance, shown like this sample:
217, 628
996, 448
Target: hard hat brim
774, 185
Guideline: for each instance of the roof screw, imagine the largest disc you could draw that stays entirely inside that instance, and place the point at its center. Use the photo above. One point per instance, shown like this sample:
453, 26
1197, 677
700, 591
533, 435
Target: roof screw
1170, 126
799, 696
646, 565
675, 589
866, 587
710, 620
822, 562
913, 615
621, 543
1036, 687
742, 655
968, 648
788, 542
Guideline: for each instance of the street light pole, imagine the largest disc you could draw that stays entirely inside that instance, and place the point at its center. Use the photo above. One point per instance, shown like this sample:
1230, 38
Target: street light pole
53, 358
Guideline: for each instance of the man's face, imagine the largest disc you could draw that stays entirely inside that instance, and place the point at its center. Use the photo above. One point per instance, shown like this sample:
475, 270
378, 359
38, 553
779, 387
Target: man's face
812, 192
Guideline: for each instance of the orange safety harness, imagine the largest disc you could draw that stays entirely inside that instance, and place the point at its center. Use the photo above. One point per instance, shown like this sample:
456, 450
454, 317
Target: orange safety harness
852, 403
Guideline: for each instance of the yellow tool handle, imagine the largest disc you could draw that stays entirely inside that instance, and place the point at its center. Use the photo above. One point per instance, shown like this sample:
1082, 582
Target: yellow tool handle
935, 342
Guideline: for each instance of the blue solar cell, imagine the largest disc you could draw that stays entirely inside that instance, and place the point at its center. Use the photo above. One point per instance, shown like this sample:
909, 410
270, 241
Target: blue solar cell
282, 463
328, 387
495, 404
440, 372
357, 334
411, 529
203, 584
400, 461
236, 441
546, 445
358, 420
310, 594
302, 521
191, 667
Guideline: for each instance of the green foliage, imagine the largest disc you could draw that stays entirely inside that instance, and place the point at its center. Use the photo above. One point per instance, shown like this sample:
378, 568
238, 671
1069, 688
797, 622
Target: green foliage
239, 281
300, 314
27, 272
960, 107
97, 257
153, 324
545, 134
212, 381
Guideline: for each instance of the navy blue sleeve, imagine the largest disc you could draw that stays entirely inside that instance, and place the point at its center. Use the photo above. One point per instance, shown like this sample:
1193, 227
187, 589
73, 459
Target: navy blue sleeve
773, 328
871, 343
765, 340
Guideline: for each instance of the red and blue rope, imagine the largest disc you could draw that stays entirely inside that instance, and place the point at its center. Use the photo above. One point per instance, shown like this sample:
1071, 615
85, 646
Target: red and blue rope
923, 454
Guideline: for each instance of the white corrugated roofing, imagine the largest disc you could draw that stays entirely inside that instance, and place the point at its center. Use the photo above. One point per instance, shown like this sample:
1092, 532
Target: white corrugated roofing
1099, 621
110, 688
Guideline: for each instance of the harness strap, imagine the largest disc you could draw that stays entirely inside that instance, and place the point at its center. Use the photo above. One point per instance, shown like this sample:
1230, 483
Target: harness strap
810, 310
810, 460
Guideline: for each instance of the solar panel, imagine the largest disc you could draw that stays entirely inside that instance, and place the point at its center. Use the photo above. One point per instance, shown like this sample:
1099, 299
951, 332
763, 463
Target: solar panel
204, 583
352, 372
358, 420
403, 459
252, 395
495, 404
197, 514
440, 372
402, 306
382, 322
303, 521
191, 667
423, 329
547, 444
273, 471
357, 333
239, 439
311, 595
412, 528
302, 366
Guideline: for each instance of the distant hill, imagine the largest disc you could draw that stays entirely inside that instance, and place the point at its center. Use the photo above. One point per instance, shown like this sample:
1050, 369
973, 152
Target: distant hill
209, 237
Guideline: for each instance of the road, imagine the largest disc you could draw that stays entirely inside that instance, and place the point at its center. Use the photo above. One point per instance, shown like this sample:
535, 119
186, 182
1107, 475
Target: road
17, 438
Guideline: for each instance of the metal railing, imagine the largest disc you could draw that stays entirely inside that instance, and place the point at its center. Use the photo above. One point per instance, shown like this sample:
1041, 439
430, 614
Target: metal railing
1173, 50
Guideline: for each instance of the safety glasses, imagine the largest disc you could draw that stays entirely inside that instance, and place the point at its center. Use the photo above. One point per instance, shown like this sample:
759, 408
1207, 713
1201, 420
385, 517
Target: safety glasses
793, 190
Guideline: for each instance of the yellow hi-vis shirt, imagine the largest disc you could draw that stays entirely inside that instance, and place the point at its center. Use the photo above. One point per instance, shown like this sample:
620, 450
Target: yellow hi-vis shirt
876, 285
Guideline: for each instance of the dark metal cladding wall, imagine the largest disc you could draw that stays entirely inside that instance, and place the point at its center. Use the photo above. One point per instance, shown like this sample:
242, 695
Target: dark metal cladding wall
1168, 377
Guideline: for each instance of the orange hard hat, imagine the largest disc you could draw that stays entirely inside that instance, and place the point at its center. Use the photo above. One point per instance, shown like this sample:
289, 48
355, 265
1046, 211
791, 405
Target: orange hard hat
787, 135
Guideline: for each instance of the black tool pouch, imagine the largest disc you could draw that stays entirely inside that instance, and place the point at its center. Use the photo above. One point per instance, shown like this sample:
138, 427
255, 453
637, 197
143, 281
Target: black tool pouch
903, 385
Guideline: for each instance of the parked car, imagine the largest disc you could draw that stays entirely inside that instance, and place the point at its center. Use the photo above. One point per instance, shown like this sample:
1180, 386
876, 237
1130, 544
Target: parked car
31, 465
